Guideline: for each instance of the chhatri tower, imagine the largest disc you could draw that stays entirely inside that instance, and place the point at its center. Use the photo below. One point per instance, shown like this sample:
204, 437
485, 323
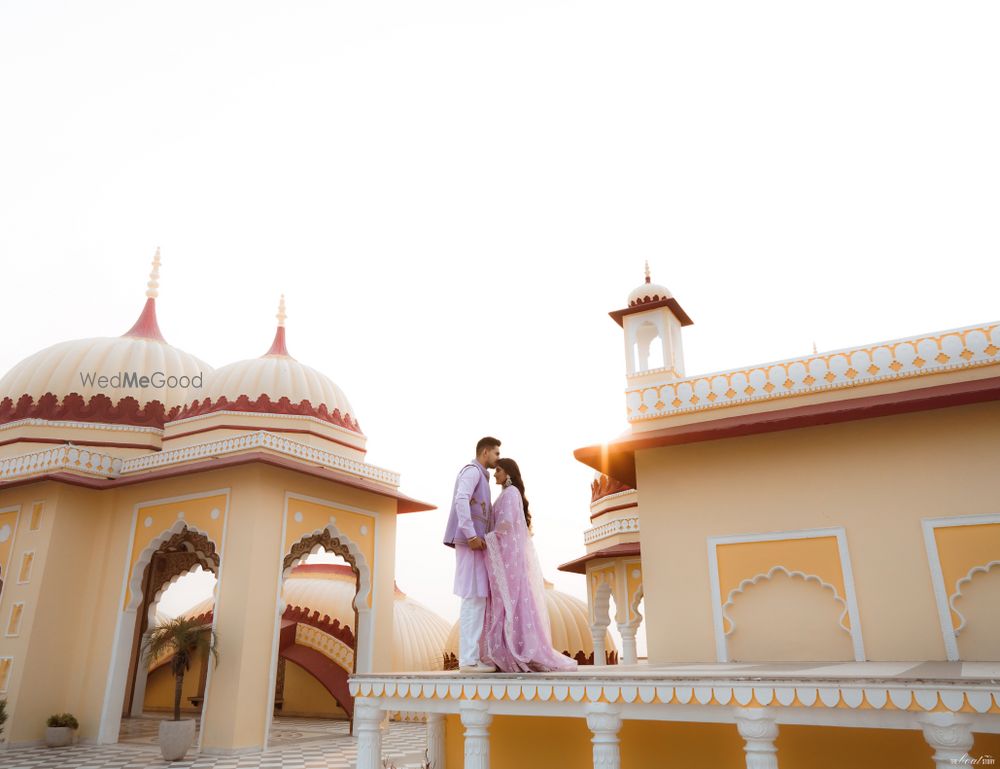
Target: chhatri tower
125, 463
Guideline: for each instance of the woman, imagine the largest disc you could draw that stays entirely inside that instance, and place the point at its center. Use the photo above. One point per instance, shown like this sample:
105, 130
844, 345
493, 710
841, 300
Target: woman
516, 636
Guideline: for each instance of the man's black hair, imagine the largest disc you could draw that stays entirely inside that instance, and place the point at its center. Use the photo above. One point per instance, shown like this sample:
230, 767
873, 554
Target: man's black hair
486, 443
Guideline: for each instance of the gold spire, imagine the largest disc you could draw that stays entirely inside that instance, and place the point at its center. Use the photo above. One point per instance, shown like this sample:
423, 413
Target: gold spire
814, 348
647, 270
281, 311
152, 288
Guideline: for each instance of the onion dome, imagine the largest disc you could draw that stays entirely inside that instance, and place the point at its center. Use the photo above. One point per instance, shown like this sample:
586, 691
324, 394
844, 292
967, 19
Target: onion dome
648, 292
134, 379
418, 635
274, 383
570, 629
329, 588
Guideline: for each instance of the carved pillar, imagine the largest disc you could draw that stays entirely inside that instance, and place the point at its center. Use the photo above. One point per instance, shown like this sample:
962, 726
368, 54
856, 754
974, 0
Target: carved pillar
476, 720
759, 730
629, 654
950, 735
435, 740
604, 722
600, 649
368, 730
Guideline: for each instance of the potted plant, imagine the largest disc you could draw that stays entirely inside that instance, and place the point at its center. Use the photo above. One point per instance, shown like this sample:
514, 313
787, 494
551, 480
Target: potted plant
182, 637
60, 729
3, 717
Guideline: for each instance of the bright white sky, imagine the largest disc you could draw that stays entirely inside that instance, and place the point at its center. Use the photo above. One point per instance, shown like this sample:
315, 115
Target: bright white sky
453, 195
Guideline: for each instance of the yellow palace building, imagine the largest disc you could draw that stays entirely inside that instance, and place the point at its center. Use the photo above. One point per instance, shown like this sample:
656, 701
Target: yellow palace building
810, 546
813, 546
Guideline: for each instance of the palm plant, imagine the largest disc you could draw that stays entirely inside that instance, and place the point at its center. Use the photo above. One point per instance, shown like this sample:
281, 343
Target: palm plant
182, 637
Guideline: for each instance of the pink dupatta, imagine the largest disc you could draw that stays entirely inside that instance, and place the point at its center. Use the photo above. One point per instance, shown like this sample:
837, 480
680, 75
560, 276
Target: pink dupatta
517, 636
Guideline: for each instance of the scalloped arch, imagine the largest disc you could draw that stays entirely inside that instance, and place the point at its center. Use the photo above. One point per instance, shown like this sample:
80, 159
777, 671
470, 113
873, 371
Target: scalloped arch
746, 583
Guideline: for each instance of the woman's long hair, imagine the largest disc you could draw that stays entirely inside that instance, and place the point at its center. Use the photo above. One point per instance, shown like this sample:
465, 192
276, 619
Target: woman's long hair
510, 467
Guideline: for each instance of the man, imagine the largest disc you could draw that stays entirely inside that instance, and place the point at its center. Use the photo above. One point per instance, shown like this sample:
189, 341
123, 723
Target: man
468, 522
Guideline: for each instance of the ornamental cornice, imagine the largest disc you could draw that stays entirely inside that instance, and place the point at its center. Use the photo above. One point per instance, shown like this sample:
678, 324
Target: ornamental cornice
953, 350
104, 465
73, 425
326, 424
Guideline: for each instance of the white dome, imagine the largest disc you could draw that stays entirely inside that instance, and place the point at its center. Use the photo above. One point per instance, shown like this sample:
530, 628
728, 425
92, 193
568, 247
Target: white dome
418, 636
648, 292
259, 384
276, 376
568, 619
60, 369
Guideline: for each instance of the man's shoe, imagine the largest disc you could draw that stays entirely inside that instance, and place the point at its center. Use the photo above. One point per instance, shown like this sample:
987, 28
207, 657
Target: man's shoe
479, 667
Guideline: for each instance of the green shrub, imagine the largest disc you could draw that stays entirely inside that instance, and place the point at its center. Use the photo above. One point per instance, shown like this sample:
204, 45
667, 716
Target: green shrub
63, 719
3, 715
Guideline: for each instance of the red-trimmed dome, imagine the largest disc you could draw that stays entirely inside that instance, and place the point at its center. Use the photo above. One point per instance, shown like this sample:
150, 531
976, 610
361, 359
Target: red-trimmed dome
64, 381
648, 292
274, 383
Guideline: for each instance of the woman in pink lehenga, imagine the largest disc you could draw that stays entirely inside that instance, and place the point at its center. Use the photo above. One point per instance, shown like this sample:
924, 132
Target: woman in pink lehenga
517, 636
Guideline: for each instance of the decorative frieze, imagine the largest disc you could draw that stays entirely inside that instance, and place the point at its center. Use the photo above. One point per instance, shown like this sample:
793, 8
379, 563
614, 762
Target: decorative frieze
952, 350
627, 525
69, 458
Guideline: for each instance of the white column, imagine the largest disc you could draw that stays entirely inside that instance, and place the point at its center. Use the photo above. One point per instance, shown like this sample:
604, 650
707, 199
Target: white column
476, 720
950, 735
629, 654
368, 730
759, 730
435, 740
604, 722
141, 676
600, 650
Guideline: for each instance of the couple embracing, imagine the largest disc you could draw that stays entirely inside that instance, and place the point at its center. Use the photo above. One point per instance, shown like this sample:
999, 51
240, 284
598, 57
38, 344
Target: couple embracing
504, 622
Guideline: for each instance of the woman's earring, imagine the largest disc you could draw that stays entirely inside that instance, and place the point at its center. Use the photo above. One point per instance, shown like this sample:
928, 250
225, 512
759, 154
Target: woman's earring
508, 482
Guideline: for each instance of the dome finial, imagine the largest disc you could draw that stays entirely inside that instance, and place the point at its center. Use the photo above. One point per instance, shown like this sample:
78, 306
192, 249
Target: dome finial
152, 288
146, 326
281, 311
278, 345
647, 270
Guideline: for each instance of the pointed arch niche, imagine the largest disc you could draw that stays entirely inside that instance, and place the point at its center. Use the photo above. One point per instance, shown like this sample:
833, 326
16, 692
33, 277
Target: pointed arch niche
312, 525
170, 538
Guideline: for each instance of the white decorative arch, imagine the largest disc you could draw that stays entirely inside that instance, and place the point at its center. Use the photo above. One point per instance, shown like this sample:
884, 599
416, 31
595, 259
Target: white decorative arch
364, 633
131, 589
746, 583
849, 599
983, 569
941, 595
634, 606
364, 570
601, 610
146, 557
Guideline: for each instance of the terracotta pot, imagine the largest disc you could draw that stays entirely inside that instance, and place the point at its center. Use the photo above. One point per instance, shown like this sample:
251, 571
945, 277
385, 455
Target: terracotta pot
176, 738
58, 736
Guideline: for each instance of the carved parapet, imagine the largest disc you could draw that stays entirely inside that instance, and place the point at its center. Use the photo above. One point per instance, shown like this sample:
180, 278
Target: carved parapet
75, 408
325, 624
264, 405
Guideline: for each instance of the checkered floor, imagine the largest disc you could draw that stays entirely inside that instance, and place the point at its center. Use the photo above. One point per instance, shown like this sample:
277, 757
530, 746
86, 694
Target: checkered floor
296, 743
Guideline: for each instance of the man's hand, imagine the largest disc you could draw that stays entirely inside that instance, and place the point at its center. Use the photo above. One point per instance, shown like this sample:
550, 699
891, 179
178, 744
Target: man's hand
477, 544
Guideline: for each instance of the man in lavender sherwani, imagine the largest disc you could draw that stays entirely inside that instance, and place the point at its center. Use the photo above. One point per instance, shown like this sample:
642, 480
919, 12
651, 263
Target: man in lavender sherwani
468, 523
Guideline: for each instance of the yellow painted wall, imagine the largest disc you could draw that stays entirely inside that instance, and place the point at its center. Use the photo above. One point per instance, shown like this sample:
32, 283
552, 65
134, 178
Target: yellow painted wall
305, 696
544, 743
160, 687
878, 478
